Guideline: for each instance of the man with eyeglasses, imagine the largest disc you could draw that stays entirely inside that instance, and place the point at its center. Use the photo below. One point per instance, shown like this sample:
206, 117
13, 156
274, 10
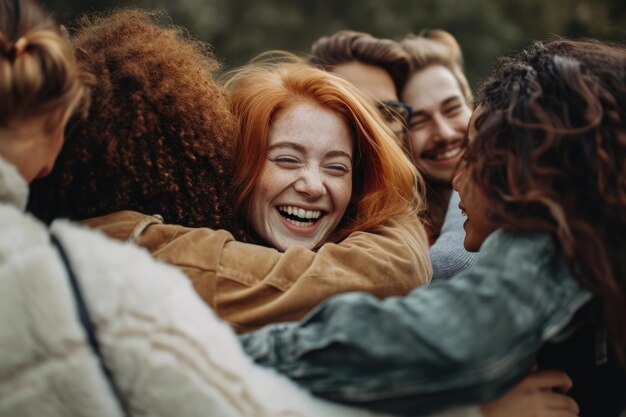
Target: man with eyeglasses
379, 67
385, 70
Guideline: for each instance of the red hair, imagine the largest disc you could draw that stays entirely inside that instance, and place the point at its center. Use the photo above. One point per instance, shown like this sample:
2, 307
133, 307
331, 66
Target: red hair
384, 179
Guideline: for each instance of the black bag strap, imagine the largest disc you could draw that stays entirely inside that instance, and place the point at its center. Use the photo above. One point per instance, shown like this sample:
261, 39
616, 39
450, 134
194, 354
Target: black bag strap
85, 321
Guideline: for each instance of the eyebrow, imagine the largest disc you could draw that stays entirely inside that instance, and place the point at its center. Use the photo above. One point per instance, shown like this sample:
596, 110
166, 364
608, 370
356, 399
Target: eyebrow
332, 154
299, 148
291, 145
418, 113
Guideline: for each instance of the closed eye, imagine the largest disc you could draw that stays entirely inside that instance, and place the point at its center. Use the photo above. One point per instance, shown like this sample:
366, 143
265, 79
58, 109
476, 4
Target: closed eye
418, 123
285, 161
453, 110
338, 169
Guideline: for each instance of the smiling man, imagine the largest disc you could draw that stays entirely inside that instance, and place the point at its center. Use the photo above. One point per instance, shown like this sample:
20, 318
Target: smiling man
378, 67
426, 73
440, 97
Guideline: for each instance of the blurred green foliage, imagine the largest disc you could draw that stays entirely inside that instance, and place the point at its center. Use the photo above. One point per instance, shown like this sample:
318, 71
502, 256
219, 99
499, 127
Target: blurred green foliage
486, 29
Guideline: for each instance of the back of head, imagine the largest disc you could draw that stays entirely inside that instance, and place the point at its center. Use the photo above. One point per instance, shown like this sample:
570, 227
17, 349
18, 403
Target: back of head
38, 72
348, 46
158, 135
384, 179
550, 153
437, 47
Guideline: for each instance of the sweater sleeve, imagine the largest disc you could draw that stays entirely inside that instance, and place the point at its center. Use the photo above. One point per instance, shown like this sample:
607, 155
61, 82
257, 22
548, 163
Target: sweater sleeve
447, 254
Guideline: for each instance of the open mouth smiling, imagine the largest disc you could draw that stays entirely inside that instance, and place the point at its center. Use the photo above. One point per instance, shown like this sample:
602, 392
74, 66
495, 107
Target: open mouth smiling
298, 216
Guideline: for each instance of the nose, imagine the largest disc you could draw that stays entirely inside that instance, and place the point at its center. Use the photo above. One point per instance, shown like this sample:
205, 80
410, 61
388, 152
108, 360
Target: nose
310, 183
442, 129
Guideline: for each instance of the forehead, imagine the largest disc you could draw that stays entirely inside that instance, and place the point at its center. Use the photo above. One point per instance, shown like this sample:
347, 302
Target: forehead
311, 126
372, 80
430, 87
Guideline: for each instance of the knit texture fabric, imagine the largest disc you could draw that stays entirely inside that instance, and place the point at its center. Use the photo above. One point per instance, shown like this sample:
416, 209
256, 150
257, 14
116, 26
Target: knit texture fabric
447, 254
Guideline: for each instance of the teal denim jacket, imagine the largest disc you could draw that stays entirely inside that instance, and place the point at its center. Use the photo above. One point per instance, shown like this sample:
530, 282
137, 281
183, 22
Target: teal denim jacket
460, 341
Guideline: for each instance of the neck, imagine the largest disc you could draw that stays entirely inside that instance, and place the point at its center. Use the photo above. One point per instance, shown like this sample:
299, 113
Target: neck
13, 187
31, 145
437, 197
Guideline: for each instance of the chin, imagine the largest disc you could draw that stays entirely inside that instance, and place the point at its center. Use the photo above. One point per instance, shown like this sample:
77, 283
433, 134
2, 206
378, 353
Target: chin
437, 176
44, 171
439, 180
470, 246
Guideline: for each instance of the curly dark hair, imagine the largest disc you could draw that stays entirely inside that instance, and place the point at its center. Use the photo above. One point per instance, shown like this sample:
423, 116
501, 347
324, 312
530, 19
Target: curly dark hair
158, 136
550, 155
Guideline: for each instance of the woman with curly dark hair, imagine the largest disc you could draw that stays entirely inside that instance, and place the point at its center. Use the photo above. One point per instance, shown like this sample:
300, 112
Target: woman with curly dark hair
544, 189
158, 135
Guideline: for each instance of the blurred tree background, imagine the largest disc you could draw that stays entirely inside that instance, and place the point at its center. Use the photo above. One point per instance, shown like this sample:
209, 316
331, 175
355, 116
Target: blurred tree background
486, 29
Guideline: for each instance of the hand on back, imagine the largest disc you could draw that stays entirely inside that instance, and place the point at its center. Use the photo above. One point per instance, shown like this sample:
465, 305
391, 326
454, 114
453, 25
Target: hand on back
542, 394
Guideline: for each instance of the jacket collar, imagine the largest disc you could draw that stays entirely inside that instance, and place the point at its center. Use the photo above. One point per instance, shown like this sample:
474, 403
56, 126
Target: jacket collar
13, 187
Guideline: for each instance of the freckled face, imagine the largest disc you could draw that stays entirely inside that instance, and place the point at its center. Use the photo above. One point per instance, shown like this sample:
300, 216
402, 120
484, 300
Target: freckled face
306, 182
474, 204
438, 123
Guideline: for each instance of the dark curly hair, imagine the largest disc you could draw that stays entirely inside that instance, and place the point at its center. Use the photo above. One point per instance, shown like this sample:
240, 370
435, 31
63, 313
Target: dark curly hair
550, 154
158, 136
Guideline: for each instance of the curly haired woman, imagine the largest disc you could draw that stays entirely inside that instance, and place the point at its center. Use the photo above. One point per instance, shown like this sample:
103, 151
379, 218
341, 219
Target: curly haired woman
544, 190
158, 139
158, 134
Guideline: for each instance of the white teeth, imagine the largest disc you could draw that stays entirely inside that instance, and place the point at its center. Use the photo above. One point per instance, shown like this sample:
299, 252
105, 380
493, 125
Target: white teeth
448, 154
300, 212
299, 224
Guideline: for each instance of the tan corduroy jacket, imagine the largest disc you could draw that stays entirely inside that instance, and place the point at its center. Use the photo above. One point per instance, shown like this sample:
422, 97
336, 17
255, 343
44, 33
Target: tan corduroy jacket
251, 286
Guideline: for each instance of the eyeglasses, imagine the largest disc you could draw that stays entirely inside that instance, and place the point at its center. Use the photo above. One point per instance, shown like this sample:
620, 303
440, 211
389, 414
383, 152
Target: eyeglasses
397, 116
395, 110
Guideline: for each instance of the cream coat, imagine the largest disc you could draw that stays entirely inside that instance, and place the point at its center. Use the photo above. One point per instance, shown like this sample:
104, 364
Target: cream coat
169, 354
